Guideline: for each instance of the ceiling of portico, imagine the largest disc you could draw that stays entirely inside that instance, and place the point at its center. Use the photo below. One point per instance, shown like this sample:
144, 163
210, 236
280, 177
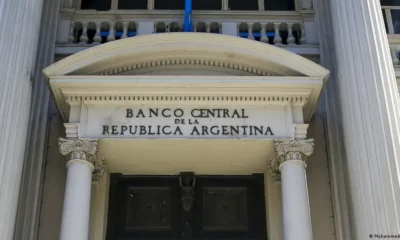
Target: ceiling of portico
188, 53
171, 156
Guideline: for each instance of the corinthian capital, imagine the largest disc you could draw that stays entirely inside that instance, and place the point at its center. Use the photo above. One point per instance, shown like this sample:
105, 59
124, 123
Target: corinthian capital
77, 149
294, 150
288, 150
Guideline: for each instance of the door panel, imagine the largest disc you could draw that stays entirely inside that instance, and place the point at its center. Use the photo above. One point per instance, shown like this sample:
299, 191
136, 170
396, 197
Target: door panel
143, 208
200, 207
230, 207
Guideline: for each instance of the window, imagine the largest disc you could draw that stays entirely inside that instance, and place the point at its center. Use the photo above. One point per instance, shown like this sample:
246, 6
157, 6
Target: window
207, 4
100, 5
279, 5
390, 2
243, 5
169, 4
129, 4
389, 11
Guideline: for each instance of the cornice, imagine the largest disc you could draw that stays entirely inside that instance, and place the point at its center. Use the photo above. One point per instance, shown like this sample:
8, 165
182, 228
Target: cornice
184, 90
128, 69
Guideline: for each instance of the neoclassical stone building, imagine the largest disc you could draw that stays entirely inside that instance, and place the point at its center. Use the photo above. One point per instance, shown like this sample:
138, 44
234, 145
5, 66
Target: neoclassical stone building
211, 119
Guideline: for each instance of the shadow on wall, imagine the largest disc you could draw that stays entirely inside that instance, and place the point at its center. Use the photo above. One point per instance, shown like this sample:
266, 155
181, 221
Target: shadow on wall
54, 180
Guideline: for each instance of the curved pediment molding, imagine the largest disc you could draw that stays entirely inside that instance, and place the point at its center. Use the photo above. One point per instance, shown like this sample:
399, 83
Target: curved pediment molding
190, 50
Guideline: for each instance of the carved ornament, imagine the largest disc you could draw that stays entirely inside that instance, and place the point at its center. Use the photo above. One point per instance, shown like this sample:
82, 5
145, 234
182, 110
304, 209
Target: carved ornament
290, 150
77, 149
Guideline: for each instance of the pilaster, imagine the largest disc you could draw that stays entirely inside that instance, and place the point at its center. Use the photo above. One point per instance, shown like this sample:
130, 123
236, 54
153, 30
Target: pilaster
18, 55
363, 115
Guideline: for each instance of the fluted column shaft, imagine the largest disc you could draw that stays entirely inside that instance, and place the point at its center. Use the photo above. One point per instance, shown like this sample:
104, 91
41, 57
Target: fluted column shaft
76, 210
18, 55
29, 206
362, 111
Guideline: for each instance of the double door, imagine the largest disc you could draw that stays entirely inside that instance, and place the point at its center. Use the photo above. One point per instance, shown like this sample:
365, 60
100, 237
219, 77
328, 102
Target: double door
186, 207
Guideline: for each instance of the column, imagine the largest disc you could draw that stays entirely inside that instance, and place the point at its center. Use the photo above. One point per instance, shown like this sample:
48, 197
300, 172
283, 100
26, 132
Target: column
76, 211
290, 162
18, 58
363, 117
29, 206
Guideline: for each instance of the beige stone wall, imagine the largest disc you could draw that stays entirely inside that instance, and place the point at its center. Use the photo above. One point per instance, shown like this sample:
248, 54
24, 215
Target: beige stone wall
54, 182
319, 187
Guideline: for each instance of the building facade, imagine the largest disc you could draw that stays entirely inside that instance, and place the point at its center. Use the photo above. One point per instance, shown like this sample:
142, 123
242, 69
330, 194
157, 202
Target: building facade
237, 120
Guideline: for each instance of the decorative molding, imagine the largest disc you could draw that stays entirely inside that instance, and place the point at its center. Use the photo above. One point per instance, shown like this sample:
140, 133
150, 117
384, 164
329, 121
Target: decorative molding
289, 150
84, 151
187, 183
300, 131
99, 164
78, 149
302, 100
273, 167
71, 130
75, 77
187, 90
293, 149
126, 70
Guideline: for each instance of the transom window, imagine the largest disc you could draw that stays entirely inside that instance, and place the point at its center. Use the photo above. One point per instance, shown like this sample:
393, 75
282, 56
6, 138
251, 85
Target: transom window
129, 4
169, 5
233, 5
100, 5
279, 5
243, 5
207, 5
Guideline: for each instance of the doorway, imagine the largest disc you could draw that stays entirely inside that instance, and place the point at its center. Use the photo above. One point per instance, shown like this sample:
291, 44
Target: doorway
186, 206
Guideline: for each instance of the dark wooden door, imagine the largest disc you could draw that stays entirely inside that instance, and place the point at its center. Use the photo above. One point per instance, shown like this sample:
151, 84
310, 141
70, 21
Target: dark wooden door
186, 207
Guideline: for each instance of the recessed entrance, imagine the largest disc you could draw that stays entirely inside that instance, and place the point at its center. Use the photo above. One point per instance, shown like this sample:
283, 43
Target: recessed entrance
186, 206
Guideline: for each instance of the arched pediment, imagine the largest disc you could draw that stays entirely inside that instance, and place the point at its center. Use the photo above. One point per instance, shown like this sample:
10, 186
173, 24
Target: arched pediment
144, 55
187, 68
